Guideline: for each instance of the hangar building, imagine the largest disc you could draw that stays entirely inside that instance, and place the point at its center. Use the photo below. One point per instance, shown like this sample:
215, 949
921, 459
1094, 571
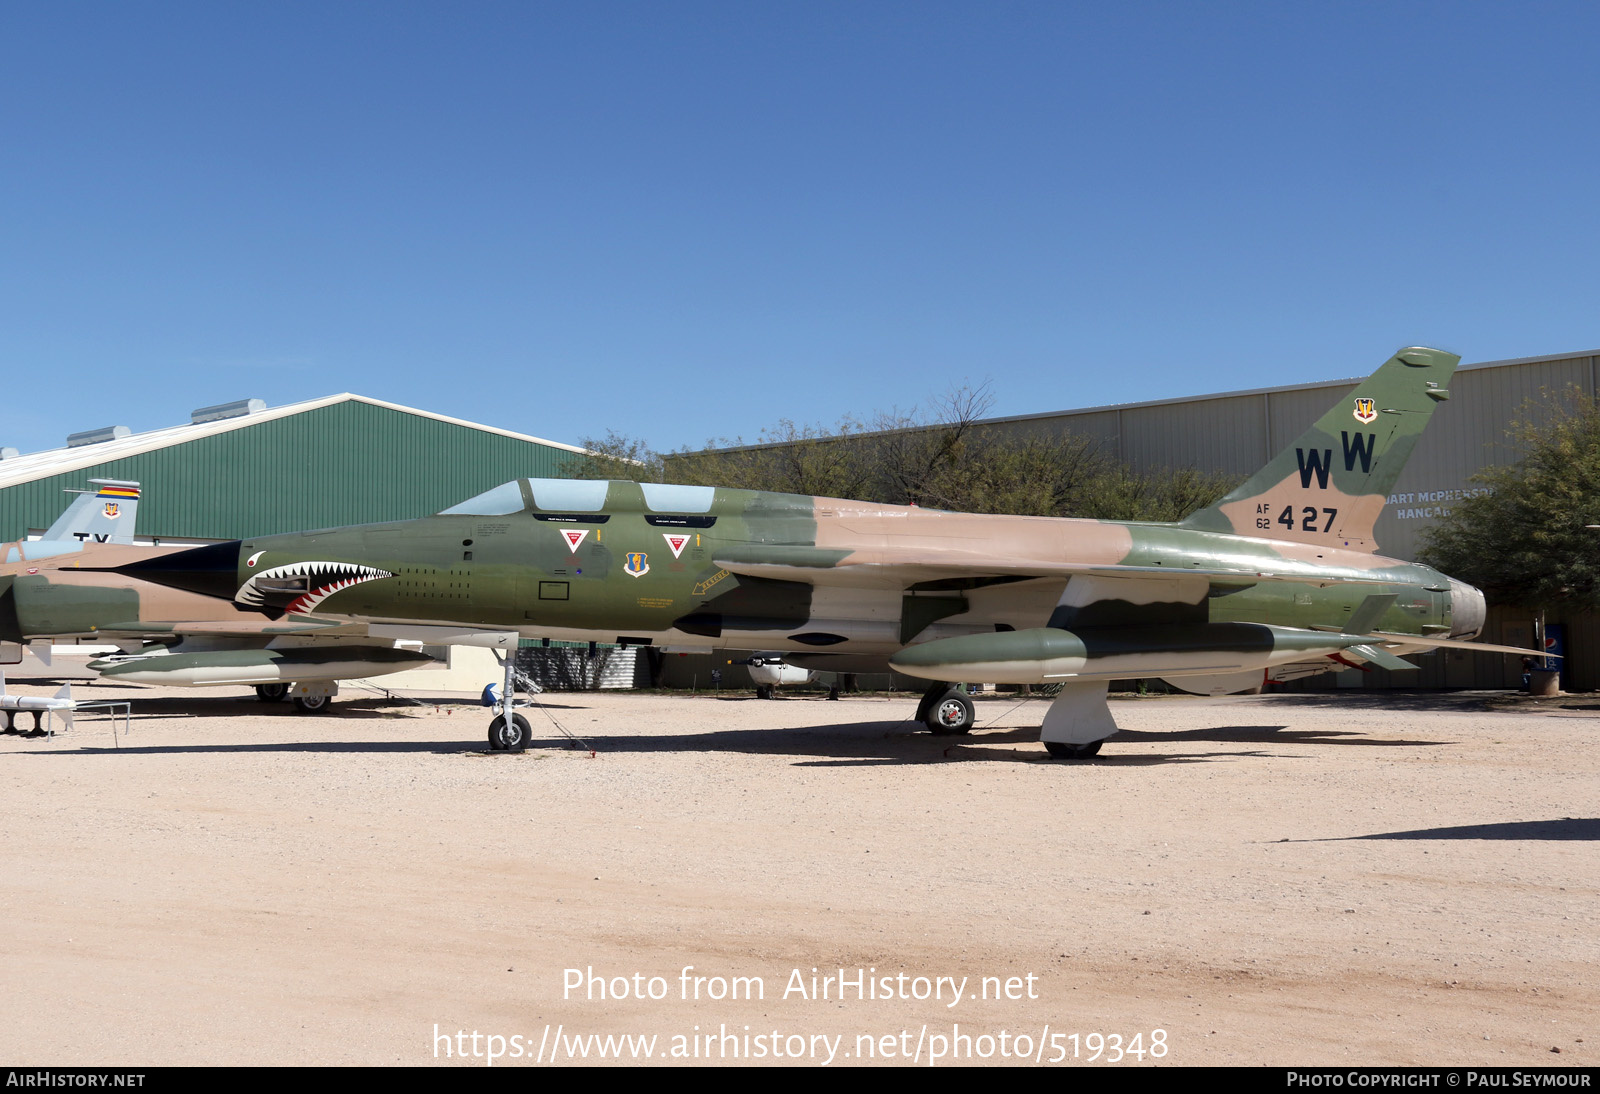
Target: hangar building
242, 469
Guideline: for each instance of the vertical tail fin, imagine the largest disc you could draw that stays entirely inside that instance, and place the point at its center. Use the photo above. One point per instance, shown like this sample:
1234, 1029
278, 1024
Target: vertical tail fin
104, 515
1328, 487
65, 713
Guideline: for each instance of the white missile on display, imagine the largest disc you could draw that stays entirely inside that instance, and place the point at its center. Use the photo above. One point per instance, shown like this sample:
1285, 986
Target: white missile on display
61, 705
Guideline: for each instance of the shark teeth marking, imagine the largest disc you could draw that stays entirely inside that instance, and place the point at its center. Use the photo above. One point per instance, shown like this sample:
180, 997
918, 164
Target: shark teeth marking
323, 579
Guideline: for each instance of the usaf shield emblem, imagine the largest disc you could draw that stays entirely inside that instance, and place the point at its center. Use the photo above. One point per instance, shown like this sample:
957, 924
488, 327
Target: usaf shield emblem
638, 564
1366, 411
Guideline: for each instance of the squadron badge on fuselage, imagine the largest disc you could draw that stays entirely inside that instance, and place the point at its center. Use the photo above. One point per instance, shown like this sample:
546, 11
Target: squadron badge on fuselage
638, 564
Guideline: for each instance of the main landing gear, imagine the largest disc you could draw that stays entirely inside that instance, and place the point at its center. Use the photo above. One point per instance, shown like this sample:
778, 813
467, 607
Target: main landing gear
946, 711
1075, 726
1061, 750
1078, 721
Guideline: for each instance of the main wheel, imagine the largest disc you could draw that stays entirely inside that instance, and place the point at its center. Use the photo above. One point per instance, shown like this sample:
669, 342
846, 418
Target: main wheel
952, 715
763, 691
272, 693
512, 736
931, 695
312, 704
1061, 750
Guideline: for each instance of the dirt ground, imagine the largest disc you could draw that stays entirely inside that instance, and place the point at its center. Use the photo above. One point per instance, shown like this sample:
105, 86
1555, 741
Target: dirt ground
1342, 879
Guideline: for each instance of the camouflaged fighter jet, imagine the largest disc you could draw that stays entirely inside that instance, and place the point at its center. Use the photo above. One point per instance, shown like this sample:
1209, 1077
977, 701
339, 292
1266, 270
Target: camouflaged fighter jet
1279, 575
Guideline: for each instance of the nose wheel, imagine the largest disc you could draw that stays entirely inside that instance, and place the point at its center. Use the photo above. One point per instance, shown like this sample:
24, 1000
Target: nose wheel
508, 731
509, 736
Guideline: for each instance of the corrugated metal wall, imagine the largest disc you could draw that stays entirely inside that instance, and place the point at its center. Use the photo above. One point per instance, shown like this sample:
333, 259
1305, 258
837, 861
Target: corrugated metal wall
348, 463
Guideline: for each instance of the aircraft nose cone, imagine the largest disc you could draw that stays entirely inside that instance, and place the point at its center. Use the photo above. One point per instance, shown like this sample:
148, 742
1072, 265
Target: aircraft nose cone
210, 570
1467, 610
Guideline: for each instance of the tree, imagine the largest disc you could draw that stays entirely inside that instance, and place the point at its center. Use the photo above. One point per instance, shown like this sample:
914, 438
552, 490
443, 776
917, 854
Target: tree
1525, 540
943, 457
615, 457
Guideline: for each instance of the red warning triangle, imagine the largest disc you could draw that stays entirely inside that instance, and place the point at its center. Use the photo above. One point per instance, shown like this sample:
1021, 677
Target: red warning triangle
574, 536
676, 541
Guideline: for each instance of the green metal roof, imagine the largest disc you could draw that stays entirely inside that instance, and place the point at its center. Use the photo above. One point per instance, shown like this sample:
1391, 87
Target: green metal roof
319, 464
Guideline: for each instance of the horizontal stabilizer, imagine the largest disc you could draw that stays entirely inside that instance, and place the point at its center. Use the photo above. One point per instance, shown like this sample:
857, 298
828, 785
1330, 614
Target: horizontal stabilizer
1427, 641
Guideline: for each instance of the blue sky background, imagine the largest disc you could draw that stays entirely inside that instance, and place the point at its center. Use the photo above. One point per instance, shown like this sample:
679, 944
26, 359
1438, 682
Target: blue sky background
689, 220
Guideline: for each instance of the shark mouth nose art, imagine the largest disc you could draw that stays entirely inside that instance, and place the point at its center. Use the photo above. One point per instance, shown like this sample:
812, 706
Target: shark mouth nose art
300, 586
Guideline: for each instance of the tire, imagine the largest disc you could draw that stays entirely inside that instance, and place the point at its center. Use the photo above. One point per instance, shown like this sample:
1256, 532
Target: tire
272, 693
764, 691
932, 694
1061, 750
313, 704
512, 737
952, 715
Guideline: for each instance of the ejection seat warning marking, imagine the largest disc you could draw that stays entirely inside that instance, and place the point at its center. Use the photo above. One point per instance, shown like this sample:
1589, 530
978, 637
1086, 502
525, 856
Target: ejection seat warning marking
574, 536
552, 590
676, 541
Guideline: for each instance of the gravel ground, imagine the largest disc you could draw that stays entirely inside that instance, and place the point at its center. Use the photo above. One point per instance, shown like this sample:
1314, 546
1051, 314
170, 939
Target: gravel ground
1340, 879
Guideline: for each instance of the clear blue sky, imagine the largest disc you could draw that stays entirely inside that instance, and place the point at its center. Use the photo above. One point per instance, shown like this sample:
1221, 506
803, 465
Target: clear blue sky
688, 220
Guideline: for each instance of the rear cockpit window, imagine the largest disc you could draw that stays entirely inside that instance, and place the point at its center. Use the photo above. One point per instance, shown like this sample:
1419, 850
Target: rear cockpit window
670, 498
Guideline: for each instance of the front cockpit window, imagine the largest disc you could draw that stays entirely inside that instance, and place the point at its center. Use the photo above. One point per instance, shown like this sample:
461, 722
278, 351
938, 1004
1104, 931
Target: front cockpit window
501, 501
569, 495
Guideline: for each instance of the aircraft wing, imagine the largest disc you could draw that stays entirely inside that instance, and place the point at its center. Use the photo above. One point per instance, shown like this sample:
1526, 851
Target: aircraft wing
1388, 638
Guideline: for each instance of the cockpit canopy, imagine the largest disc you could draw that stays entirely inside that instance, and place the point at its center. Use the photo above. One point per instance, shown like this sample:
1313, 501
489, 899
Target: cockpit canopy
581, 496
